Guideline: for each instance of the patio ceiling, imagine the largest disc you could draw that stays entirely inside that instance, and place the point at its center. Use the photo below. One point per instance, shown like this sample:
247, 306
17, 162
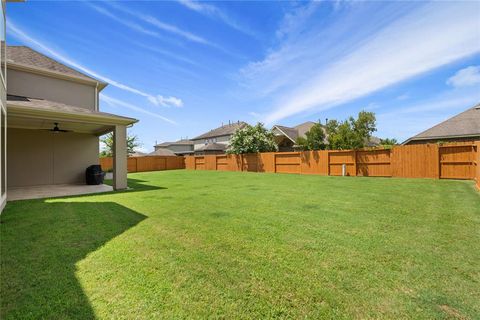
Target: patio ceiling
29, 113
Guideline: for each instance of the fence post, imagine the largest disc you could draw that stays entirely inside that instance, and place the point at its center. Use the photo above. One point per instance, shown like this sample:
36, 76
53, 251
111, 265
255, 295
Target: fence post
355, 162
438, 172
275, 162
328, 163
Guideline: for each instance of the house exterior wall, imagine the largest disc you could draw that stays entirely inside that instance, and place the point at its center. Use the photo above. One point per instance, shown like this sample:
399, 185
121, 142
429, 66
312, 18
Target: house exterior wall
201, 142
38, 157
34, 85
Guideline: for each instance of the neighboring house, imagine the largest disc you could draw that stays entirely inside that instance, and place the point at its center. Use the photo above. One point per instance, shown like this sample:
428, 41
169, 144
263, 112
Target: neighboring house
162, 152
138, 154
212, 148
54, 123
180, 147
463, 127
286, 137
216, 141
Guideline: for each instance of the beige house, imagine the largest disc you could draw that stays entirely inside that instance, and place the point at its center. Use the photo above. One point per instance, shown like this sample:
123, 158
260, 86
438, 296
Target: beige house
216, 141
54, 123
180, 147
286, 137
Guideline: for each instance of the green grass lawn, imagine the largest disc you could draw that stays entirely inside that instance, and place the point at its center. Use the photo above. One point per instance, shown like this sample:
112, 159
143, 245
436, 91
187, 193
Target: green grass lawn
198, 244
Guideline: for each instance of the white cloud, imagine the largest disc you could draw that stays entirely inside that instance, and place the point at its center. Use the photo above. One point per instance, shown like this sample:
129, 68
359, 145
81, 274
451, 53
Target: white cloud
156, 23
213, 11
313, 72
19, 34
468, 76
115, 102
166, 101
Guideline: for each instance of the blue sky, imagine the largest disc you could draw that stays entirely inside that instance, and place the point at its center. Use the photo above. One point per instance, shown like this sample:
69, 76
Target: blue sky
184, 67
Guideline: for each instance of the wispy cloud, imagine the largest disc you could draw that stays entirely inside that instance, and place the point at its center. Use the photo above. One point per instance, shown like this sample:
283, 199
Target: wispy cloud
421, 115
212, 11
115, 102
158, 100
468, 76
303, 75
157, 23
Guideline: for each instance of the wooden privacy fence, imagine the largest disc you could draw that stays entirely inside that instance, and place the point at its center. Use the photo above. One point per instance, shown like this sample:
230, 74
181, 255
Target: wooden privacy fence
147, 163
448, 161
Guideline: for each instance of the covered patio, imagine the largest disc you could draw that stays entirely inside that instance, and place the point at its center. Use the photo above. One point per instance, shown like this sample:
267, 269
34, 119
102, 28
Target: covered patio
51, 144
55, 190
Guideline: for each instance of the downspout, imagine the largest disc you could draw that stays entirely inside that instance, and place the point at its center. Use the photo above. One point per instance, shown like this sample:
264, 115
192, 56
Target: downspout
96, 97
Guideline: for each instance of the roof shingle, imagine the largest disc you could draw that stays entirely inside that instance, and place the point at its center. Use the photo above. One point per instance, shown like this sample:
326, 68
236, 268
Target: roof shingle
463, 124
225, 130
28, 57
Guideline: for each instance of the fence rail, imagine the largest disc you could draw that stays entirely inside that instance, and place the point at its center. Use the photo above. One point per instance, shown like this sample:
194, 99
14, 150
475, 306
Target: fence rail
449, 161
148, 163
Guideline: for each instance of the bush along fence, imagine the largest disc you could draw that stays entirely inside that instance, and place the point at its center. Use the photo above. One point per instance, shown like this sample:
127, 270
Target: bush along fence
147, 163
439, 161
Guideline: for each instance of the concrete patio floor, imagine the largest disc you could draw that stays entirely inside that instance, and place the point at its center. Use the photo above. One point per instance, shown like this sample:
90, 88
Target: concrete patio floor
57, 190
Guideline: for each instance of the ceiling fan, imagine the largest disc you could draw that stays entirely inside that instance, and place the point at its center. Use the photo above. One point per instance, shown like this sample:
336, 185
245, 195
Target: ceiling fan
56, 129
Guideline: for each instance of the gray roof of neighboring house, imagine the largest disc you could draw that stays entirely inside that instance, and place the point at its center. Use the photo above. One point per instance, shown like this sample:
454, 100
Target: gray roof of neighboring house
182, 142
162, 152
213, 147
41, 104
297, 131
465, 124
28, 57
304, 128
290, 133
224, 130
138, 154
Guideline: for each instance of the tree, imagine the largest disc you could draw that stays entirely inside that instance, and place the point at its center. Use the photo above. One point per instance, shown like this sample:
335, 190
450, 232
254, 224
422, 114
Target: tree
315, 138
252, 139
107, 140
388, 142
351, 133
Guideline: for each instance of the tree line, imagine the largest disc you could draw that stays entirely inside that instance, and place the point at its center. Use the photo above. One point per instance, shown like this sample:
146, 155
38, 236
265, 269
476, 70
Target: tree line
351, 133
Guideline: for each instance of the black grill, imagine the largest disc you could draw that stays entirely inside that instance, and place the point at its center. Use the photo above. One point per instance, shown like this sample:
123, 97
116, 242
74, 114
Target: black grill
94, 174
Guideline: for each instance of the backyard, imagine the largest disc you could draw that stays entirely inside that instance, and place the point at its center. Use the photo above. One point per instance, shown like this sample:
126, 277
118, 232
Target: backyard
197, 244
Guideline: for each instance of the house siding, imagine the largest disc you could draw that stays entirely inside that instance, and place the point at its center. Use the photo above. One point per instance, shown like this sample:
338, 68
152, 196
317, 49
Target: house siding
38, 157
201, 142
33, 85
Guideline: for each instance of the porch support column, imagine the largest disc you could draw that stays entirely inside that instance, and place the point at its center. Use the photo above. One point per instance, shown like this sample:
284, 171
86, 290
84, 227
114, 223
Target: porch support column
120, 157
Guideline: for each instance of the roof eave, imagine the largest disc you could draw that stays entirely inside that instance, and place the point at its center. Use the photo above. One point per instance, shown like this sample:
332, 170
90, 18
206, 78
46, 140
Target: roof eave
19, 110
441, 137
286, 135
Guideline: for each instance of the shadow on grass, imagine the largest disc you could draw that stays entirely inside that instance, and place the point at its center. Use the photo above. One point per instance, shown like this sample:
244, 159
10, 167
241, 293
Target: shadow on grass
40, 244
136, 185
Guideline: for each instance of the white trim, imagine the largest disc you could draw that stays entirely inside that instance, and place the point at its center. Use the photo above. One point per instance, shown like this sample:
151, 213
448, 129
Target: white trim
27, 112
